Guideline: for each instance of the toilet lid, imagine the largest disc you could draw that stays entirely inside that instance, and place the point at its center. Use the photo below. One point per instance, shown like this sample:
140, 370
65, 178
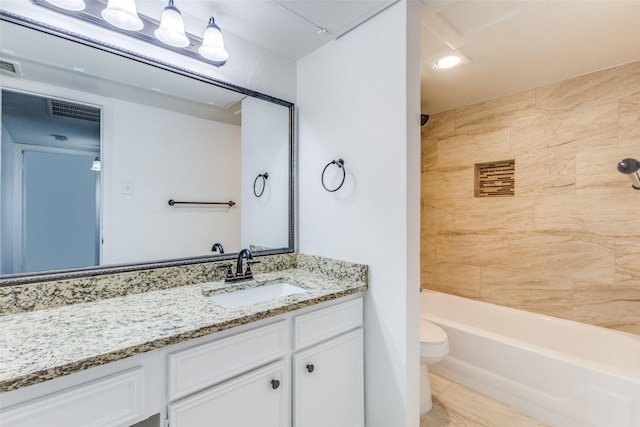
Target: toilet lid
431, 333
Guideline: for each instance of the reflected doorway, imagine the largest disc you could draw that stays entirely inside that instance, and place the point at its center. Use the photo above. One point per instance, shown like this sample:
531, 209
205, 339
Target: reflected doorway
50, 188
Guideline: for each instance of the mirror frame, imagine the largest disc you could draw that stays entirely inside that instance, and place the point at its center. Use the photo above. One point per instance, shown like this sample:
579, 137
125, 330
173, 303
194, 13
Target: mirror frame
64, 274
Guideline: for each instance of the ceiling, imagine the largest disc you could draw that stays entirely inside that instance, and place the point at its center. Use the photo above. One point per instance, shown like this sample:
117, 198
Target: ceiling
517, 45
511, 45
291, 28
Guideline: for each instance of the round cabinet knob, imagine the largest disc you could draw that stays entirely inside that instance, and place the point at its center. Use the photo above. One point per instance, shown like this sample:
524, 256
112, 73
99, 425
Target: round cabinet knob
275, 384
310, 368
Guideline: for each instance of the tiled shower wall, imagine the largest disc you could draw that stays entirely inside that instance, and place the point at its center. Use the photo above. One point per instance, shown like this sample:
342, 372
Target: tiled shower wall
568, 242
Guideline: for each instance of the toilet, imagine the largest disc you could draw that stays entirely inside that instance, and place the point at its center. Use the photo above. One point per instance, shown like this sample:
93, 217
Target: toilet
434, 346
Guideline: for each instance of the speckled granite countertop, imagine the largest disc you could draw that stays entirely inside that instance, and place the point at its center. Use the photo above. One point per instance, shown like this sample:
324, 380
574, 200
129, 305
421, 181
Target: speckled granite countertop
40, 345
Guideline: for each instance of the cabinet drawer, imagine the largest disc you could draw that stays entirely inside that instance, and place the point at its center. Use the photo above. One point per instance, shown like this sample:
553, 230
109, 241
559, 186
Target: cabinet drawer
111, 401
199, 367
320, 325
258, 398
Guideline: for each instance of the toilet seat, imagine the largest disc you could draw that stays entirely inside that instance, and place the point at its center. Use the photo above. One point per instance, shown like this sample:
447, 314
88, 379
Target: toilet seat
431, 333
433, 340
434, 346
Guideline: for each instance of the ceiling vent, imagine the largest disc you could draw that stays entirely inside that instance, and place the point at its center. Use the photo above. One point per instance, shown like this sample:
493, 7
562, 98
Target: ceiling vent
10, 67
74, 111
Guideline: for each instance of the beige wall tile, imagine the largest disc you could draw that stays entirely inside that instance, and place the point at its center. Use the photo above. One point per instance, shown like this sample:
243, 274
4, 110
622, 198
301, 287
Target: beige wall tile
546, 171
448, 183
453, 278
568, 243
573, 128
598, 214
428, 154
465, 150
573, 256
609, 306
596, 170
496, 215
634, 98
522, 290
598, 88
628, 263
472, 248
496, 113
439, 126
629, 125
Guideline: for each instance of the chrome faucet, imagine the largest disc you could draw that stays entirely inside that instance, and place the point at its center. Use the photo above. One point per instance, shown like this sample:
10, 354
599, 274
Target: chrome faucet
240, 275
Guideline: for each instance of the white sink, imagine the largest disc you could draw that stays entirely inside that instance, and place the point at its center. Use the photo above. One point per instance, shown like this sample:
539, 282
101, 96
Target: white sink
256, 295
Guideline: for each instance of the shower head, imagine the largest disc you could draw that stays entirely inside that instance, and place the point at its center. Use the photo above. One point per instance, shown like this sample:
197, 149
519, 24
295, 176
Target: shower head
631, 168
424, 118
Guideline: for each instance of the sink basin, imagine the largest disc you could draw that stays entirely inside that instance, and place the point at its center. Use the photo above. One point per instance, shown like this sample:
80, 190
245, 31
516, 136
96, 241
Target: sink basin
256, 295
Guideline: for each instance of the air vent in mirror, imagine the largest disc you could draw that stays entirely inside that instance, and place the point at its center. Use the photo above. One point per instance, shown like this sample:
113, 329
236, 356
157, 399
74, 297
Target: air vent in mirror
75, 111
9, 67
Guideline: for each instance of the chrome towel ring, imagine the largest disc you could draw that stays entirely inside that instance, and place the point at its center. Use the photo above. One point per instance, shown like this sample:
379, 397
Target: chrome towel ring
340, 164
264, 177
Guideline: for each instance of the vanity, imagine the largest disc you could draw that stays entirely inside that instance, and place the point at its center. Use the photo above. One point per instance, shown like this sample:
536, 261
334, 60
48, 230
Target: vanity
175, 357
147, 332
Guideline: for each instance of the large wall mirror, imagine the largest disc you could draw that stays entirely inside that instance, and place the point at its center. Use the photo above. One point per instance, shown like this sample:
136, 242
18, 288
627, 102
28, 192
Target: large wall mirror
95, 144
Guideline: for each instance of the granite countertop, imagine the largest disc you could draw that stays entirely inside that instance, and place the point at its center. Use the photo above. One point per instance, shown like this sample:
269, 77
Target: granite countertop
40, 345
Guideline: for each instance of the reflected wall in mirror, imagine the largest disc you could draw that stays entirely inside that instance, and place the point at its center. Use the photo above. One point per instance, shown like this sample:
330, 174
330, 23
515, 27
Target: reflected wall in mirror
159, 134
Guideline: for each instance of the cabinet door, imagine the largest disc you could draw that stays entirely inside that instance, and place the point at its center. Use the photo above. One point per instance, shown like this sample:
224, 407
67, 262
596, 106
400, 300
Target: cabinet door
328, 387
114, 400
256, 399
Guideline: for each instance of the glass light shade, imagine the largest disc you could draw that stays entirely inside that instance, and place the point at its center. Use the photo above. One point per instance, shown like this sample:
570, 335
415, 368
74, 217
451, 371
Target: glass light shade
171, 29
212, 44
448, 62
123, 14
75, 5
95, 166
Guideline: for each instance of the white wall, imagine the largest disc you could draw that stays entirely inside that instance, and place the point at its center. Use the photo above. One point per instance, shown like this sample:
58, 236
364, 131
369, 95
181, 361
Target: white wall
358, 100
249, 65
265, 148
166, 155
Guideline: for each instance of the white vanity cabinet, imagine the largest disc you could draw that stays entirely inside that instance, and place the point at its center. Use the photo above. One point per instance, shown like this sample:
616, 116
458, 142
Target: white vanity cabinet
257, 374
328, 372
326, 350
114, 400
232, 385
259, 398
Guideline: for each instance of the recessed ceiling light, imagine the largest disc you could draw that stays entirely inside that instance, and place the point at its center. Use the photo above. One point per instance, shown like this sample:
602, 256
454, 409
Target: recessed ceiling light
447, 62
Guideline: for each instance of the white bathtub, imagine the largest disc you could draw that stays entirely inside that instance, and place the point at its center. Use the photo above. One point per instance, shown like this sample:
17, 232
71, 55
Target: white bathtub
560, 372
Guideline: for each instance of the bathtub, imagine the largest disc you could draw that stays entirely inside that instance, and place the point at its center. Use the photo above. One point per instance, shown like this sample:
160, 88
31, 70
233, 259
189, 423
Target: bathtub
560, 372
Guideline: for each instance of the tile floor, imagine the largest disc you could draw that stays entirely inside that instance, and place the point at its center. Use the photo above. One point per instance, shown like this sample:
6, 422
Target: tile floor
455, 405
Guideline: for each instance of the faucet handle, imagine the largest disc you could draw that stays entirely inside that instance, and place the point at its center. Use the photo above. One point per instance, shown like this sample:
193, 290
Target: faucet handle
249, 263
228, 267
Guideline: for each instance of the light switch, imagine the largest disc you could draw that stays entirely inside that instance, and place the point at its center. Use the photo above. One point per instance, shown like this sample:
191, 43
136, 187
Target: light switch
127, 187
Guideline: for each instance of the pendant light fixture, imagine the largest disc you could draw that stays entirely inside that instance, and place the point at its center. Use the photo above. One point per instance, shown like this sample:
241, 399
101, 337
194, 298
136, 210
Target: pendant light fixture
212, 43
73, 5
95, 166
123, 14
171, 29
